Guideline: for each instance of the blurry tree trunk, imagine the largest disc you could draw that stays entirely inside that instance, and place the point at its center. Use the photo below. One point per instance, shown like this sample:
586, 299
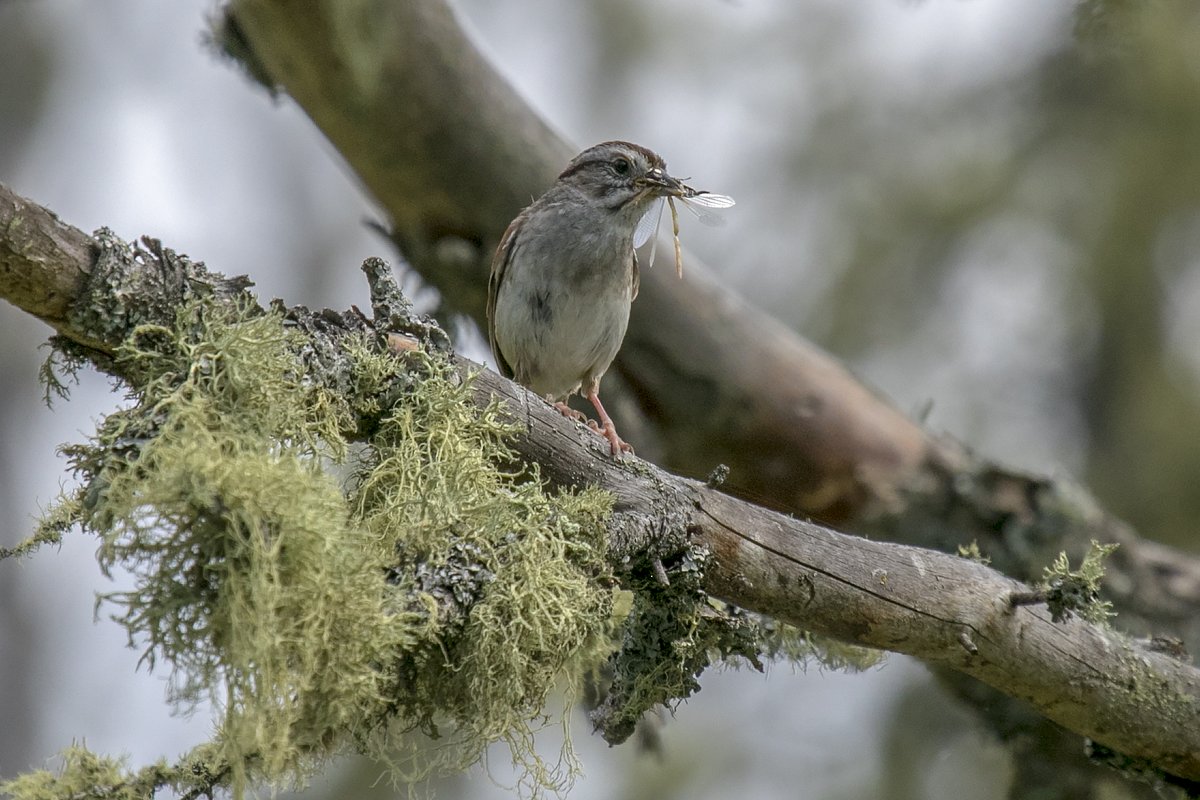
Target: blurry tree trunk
1140, 404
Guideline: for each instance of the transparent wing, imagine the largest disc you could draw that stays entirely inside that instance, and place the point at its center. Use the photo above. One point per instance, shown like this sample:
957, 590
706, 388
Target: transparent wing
654, 240
710, 200
705, 216
647, 226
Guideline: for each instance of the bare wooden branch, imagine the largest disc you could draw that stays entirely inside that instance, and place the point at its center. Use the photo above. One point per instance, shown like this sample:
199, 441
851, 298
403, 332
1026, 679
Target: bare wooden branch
943, 609
43, 261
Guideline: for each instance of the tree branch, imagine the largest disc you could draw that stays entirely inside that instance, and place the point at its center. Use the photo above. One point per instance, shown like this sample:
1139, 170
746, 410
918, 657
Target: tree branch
940, 608
943, 609
43, 261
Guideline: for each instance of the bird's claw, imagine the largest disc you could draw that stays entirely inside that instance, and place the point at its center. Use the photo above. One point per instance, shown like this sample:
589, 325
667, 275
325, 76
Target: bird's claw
608, 430
618, 445
571, 413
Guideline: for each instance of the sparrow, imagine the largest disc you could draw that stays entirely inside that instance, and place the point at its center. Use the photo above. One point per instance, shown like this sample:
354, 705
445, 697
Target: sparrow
565, 273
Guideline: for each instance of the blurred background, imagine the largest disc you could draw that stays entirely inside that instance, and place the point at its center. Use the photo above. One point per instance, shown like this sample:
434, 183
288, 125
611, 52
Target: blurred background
990, 209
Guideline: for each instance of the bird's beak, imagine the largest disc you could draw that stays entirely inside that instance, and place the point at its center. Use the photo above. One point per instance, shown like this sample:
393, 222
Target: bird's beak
660, 184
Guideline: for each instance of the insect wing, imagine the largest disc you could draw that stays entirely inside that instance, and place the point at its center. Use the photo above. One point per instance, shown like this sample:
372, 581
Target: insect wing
648, 225
703, 214
654, 243
698, 203
710, 200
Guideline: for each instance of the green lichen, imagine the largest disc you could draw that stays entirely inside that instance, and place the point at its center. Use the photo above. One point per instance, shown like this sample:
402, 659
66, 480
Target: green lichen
973, 553
315, 613
84, 775
800, 648
59, 371
513, 575
1077, 591
674, 631
87, 776
331, 544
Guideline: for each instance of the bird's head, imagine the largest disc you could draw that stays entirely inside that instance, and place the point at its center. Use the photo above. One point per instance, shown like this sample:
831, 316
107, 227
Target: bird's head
621, 176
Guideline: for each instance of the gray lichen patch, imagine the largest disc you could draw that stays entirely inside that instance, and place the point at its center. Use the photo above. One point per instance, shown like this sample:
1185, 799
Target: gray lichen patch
674, 631
132, 284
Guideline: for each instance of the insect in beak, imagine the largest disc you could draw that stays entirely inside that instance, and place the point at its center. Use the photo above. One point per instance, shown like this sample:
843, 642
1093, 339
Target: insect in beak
660, 183
693, 200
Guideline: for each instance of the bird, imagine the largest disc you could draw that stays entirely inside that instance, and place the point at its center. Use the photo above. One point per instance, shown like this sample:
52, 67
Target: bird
565, 274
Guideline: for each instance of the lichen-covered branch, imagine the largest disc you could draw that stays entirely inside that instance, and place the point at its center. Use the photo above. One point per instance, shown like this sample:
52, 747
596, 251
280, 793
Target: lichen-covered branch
947, 610
421, 584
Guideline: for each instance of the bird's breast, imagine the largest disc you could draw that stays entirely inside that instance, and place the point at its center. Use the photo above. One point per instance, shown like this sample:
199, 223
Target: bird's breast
562, 310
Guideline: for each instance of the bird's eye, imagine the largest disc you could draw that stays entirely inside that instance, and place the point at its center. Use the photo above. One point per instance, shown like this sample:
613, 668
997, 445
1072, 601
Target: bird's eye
621, 166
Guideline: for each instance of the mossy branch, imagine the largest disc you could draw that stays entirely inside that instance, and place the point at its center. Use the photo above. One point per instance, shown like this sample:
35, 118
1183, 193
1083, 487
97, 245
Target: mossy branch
941, 608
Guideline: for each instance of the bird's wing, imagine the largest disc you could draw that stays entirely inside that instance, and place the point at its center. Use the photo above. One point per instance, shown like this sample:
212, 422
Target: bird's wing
504, 253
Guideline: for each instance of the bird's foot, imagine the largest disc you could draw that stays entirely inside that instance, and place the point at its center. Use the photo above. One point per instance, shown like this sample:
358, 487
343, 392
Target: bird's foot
571, 413
606, 427
609, 431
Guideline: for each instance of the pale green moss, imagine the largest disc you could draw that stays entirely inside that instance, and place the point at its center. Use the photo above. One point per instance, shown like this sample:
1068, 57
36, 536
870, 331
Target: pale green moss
801, 648
320, 617
84, 775
1077, 591
973, 553
513, 573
